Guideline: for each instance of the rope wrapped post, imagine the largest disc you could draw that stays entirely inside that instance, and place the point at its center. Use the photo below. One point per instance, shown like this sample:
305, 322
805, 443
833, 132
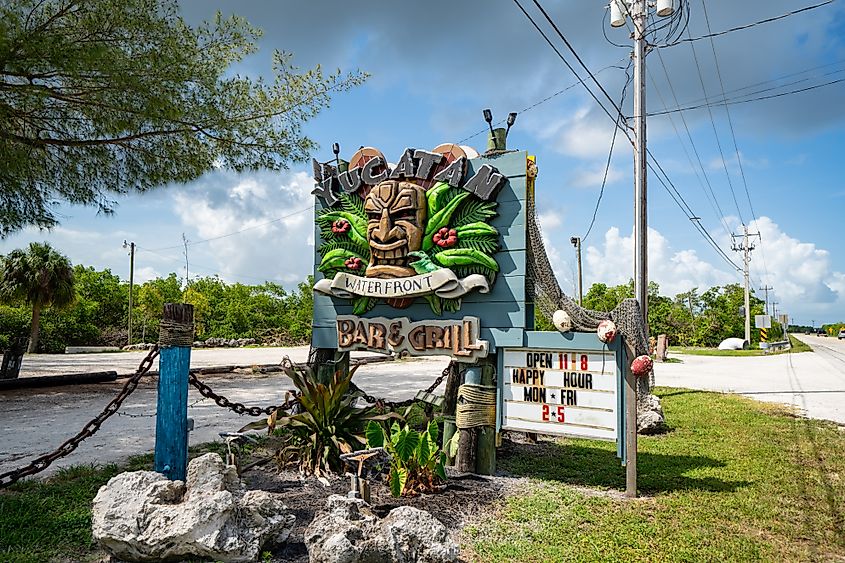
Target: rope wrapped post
475, 418
176, 335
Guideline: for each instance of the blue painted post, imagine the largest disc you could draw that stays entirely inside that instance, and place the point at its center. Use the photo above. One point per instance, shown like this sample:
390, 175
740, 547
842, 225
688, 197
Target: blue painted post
176, 335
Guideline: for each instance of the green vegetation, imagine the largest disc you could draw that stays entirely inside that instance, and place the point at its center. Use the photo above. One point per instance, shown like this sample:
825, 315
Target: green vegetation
104, 97
797, 346
329, 425
736, 480
688, 319
97, 314
417, 462
41, 278
50, 520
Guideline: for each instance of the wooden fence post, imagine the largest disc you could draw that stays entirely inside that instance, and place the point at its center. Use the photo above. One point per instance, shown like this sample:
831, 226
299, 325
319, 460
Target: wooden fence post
486, 458
468, 438
176, 336
450, 401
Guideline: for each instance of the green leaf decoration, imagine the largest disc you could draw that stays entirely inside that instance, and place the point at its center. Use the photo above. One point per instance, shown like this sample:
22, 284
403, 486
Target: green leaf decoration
398, 478
351, 203
452, 305
476, 229
435, 302
336, 259
362, 304
486, 244
358, 232
435, 197
375, 435
406, 442
346, 244
474, 211
465, 257
441, 218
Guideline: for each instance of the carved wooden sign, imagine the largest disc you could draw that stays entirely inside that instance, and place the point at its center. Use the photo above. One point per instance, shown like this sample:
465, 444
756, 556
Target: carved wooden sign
420, 229
456, 338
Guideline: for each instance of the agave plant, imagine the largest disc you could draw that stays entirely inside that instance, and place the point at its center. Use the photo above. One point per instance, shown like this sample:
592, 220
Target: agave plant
328, 424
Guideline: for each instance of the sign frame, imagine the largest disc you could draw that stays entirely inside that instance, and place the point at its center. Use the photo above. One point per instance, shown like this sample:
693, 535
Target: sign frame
569, 341
763, 321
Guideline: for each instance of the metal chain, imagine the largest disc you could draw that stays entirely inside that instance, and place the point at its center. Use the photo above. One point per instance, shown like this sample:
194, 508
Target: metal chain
382, 403
43, 462
239, 408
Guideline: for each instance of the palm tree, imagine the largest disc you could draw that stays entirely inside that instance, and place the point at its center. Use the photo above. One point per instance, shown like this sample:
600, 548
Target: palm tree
40, 276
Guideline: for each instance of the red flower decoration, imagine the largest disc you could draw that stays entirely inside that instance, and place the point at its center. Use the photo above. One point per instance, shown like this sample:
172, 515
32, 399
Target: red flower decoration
353, 263
445, 237
341, 226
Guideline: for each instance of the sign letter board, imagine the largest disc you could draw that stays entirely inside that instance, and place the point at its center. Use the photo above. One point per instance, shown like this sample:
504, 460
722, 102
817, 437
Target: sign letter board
569, 384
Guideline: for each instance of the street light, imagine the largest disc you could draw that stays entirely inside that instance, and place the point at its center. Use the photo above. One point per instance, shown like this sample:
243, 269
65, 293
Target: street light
576, 242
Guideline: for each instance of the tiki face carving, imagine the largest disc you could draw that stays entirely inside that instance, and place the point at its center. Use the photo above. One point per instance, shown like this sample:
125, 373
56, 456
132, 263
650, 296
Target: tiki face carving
396, 215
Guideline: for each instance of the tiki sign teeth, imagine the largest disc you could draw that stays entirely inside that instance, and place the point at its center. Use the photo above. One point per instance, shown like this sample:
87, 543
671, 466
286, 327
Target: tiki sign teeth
455, 338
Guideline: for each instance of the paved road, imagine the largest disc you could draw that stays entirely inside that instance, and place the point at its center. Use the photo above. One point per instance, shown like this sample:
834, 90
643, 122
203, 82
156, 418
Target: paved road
37, 420
34, 421
812, 382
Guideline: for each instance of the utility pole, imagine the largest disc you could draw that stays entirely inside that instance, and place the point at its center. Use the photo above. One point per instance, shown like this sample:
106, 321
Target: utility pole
767, 288
131, 246
638, 15
774, 309
185, 244
746, 247
576, 242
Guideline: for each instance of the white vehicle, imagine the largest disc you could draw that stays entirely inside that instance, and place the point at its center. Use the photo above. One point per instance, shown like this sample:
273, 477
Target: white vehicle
841, 334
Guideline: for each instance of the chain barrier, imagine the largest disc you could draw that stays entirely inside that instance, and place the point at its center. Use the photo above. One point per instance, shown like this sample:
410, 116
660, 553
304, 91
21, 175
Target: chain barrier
43, 462
234, 406
382, 403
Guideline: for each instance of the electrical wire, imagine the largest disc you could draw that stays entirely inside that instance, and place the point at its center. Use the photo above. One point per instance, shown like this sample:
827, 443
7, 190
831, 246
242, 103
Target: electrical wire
716, 133
196, 242
609, 156
733, 133
711, 196
711, 35
684, 206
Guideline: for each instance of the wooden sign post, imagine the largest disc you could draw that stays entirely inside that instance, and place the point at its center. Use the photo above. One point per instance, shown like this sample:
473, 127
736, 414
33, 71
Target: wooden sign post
176, 335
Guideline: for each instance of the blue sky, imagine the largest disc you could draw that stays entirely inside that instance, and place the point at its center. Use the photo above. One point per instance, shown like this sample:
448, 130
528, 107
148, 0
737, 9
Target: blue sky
436, 65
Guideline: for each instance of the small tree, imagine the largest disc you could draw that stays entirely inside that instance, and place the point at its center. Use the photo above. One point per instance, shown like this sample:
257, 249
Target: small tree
40, 276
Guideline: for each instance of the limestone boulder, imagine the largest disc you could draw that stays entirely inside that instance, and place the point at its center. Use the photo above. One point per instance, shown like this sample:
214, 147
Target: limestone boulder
142, 516
347, 531
650, 417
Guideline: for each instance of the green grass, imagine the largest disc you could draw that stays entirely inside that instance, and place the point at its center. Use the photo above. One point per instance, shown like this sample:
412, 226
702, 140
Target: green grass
797, 346
49, 520
736, 480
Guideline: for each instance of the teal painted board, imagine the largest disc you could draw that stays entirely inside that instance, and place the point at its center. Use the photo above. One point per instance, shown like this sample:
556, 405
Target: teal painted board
171, 446
503, 311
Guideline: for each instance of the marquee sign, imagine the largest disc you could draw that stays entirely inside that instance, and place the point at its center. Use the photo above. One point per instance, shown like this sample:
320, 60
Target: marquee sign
560, 391
419, 229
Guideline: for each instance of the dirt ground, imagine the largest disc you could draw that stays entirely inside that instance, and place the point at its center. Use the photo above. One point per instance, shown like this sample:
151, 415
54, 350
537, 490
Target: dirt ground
461, 501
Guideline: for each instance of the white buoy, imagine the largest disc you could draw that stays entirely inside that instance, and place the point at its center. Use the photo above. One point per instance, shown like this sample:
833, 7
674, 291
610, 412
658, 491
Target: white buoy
562, 320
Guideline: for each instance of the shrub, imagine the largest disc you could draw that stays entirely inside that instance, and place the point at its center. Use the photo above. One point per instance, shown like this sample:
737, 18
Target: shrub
417, 464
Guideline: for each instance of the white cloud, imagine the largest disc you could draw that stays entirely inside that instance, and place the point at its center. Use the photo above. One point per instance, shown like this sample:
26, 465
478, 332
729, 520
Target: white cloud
550, 220
592, 177
586, 134
674, 270
264, 221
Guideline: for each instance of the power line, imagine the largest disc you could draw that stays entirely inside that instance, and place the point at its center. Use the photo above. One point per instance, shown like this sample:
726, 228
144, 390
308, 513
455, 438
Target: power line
733, 134
568, 65
539, 102
616, 123
716, 133
733, 102
609, 158
711, 35
194, 243
714, 202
